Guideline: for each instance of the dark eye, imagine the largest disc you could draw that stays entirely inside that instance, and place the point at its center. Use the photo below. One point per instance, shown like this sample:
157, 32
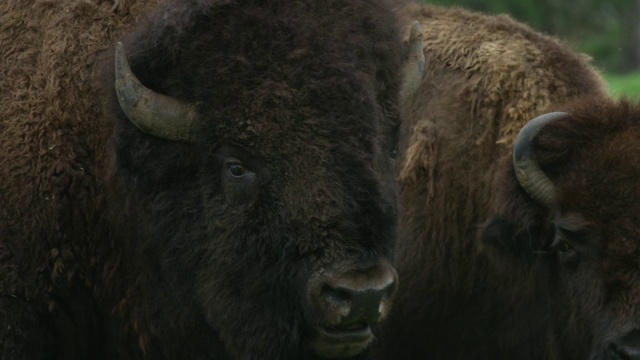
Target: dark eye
561, 243
240, 183
563, 247
237, 170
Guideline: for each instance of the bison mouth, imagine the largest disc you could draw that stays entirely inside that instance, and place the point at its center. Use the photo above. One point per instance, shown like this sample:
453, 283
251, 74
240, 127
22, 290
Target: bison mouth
343, 341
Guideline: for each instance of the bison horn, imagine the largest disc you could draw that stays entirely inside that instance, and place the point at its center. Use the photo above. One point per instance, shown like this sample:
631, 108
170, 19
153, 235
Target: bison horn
155, 114
530, 176
414, 65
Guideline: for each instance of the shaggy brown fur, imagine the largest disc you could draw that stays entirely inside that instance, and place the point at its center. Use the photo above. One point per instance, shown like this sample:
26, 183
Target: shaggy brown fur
50, 144
115, 244
486, 76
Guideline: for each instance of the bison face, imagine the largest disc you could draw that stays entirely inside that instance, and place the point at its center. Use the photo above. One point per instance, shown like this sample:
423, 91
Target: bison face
270, 260
578, 226
594, 273
259, 195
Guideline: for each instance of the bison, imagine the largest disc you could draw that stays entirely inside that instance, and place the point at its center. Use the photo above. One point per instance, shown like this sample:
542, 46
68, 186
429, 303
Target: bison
543, 265
217, 186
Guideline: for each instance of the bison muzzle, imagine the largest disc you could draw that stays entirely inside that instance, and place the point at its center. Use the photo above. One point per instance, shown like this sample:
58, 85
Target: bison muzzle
347, 302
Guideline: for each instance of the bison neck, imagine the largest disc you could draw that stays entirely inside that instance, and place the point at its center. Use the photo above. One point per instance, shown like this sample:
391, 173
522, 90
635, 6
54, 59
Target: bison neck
455, 301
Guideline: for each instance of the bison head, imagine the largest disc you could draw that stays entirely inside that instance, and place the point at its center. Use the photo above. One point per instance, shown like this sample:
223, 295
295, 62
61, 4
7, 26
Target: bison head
256, 178
576, 226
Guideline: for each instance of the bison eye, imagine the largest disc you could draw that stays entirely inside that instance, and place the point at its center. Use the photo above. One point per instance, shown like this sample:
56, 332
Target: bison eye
560, 245
236, 169
240, 183
563, 247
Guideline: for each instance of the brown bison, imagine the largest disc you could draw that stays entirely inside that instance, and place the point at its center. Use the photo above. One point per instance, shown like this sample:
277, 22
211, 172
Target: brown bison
545, 265
220, 188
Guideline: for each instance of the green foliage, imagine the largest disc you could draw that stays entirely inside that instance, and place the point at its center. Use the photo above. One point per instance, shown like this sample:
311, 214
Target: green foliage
624, 85
606, 54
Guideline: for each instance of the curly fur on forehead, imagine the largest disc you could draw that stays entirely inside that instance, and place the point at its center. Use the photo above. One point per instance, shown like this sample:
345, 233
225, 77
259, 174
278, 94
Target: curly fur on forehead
272, 72
598, 135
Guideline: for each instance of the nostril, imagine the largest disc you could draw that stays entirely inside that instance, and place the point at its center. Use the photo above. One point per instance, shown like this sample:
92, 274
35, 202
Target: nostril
336, 303
338, 294
627, 347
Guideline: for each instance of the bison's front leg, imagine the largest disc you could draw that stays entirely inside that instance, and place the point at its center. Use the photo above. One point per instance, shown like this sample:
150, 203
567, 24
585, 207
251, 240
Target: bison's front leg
22, 334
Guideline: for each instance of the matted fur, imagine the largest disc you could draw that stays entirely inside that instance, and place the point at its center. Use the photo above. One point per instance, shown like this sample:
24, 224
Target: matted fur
485, 77
115, 244
51, 140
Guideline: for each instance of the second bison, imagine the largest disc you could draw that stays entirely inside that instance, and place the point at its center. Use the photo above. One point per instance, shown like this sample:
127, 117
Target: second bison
493, 266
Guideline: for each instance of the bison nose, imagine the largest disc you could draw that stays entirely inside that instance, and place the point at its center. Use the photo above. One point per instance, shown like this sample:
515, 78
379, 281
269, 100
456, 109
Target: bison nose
358, 301
345, 302
352, 299
627, 347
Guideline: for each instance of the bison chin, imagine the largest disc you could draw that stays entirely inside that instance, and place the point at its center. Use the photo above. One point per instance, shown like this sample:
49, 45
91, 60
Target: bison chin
341, 343
345, 302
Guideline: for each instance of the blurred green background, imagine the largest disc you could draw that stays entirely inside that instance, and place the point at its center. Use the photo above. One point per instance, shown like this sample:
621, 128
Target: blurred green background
608, 30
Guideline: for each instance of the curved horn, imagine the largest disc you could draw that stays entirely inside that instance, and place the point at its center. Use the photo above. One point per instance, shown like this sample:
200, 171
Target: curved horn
155, 114
530, 176
414, 65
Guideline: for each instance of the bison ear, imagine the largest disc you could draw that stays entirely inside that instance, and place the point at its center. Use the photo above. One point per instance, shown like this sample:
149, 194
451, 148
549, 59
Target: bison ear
500, 236
413, 68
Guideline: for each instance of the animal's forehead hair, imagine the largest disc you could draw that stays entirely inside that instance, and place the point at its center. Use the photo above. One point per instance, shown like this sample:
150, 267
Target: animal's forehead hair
274, 120
273, 141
